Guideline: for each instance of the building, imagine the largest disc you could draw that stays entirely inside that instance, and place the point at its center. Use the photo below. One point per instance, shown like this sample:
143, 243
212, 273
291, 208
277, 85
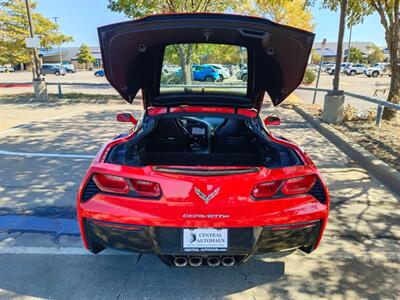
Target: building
69, 54
330, 49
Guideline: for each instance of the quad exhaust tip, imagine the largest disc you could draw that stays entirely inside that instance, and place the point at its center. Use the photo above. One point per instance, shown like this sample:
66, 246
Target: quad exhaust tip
213, 261
228, 261
180, 261
195, 261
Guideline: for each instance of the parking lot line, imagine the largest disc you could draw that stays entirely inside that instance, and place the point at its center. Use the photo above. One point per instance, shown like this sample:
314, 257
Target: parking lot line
41, 154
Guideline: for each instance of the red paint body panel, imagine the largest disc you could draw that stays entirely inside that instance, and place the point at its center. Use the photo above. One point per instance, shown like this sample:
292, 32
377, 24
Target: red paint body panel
179, 205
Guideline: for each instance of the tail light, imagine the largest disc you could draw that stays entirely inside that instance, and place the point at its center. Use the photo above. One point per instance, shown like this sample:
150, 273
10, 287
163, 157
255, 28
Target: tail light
111, 183
146, 188
266, 189
298, 185
292, 186
120, 185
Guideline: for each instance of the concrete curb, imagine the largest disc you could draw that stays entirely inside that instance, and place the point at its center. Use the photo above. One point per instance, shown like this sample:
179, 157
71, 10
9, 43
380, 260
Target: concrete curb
387, 175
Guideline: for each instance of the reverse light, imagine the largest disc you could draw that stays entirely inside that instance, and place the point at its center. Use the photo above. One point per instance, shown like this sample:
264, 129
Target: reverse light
120, 185
111, 184
146, 188
266, 189
298, 185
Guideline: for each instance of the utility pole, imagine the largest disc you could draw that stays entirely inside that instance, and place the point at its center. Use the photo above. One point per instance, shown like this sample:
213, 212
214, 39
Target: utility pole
39, 85
339, 49
349, 45
59, 50
334, 100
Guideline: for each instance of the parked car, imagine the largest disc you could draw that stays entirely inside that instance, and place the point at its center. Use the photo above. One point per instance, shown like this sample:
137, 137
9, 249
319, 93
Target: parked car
52, 69
378, 69
69, 67
99, 73
331, 69
199, 180
222, 71
6, 69
355, 69
326, 65
242, 74
205, 73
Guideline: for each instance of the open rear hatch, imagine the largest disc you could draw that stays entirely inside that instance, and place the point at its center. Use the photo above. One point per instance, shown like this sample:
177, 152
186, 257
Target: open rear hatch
133, 54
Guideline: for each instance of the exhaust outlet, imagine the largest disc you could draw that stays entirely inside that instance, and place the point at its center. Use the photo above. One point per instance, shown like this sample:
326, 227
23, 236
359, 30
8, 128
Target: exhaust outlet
195, 261
213, 261
180, 261
228, 261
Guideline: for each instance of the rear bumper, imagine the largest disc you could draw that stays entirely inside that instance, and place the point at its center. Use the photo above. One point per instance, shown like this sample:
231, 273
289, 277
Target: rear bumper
167, 241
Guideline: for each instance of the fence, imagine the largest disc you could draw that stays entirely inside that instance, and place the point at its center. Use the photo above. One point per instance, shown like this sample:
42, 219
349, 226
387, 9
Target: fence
381, 103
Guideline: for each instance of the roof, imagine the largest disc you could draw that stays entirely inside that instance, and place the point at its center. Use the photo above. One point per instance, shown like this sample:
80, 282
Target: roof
69, 53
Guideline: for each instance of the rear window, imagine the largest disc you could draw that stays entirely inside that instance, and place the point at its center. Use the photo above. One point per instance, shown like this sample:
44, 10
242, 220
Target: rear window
204, 69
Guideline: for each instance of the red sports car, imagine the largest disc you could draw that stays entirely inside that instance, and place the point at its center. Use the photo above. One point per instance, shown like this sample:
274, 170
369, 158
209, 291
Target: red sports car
200, 180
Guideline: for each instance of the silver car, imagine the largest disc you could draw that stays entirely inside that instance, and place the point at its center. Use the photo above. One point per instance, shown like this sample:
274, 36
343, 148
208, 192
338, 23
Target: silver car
355, 69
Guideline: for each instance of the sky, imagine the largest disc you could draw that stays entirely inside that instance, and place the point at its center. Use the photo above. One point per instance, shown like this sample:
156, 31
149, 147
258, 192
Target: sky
80, 19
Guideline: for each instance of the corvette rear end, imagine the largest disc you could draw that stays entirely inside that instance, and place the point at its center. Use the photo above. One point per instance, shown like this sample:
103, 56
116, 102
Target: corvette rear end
200, 180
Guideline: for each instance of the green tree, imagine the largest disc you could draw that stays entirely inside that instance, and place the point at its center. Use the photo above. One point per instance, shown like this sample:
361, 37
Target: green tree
183, 53
356, 55
375, 54
85, 55
388, 11
14, 29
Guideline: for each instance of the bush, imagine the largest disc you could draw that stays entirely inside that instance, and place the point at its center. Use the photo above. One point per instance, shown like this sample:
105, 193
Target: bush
309, 77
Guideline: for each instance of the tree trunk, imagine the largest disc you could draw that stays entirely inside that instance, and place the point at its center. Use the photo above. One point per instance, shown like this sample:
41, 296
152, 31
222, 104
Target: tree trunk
185, 59
392, 36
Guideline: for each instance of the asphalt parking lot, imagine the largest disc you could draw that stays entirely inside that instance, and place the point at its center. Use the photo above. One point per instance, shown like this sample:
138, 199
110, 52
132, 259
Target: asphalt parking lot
45, 150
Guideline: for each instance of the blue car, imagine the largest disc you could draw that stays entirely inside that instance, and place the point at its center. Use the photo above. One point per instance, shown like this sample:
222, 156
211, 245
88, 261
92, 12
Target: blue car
204, 73
99, 73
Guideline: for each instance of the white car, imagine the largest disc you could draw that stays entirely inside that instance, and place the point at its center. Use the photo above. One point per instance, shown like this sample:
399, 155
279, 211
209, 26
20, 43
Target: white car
223, 72
4, 69
378, 69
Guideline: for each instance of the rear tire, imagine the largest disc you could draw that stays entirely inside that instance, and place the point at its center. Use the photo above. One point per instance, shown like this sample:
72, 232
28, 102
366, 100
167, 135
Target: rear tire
244, 77
209, 78
57, 73
353, 73
220, 78
375, 74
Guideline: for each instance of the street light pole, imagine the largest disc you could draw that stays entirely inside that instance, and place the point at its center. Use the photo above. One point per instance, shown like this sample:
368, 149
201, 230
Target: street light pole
36, 72
319, 69
59, 50
339, 49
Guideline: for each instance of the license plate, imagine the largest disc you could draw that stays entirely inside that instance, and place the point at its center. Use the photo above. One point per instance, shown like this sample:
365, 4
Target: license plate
205, 239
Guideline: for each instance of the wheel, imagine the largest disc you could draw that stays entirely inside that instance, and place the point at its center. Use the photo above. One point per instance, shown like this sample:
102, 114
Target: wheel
220, 78
97, 74
352, 73
375, 74
368, 75
209, 78
244, 77
63, 74
57, 73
